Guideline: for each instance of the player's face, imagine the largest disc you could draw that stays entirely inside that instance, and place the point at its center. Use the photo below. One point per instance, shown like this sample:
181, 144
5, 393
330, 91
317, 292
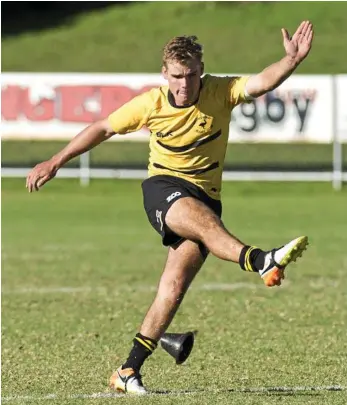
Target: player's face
184, 80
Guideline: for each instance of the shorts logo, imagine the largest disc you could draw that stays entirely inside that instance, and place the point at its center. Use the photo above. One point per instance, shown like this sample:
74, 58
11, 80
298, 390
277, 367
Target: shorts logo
158, 214
172, 196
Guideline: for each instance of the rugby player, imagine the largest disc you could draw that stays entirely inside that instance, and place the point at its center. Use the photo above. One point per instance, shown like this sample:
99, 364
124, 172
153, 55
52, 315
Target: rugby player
189, 124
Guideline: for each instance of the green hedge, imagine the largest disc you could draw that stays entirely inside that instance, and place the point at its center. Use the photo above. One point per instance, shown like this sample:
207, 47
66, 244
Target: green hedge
238, 37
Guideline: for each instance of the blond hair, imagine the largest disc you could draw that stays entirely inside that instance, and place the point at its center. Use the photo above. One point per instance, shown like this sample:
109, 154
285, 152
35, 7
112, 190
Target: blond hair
182, 49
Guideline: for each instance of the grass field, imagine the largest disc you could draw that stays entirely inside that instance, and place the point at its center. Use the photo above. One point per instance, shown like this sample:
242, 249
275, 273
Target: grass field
79, 267
240, 37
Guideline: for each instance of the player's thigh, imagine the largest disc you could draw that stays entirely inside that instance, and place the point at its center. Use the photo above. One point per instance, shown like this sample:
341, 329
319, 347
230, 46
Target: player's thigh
192, 219
182, 265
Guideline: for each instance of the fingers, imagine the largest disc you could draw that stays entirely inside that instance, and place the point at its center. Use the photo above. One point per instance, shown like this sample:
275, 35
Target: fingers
35, 184
306, 33
36, 180
28, 183
309, 33
42, 181
299, 30
31, 183
310, 37
39, 175
31, 180
285, 35
305, 28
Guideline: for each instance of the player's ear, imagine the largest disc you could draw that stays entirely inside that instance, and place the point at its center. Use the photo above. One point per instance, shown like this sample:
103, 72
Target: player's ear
164, 72
202, 68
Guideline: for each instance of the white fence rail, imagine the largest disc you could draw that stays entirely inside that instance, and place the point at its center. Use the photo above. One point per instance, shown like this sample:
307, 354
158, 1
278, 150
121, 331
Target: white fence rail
142, 174
305, 108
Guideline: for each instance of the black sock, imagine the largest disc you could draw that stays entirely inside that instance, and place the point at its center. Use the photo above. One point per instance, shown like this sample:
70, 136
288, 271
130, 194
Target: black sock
143, 347
252, 258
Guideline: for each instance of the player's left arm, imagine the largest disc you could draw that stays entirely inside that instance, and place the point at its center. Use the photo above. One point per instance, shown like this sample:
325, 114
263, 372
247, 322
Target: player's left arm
297, 48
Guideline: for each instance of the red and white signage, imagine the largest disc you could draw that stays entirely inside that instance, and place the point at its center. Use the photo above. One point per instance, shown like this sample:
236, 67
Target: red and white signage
58, 106
300, 110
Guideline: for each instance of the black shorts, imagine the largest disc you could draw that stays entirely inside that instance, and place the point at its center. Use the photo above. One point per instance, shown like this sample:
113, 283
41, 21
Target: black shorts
160, 192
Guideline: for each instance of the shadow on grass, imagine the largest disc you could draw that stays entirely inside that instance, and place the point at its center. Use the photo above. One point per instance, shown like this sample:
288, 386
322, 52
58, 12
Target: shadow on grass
276, 391
270, 391
25, 16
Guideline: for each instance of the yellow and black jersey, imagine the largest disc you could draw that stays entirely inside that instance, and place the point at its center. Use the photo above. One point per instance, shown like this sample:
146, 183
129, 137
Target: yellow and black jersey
186, 142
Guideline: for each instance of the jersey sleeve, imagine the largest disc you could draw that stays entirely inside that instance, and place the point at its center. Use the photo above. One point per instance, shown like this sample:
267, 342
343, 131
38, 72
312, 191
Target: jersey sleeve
237, 90
232, 90
131, 116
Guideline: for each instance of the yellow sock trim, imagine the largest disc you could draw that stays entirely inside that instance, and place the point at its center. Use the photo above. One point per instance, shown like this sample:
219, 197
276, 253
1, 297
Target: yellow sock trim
152, 344
144, 343
248, 265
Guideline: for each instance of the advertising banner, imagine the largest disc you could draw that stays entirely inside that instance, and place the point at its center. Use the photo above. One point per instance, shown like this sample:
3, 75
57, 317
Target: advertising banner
341, 107
58, 106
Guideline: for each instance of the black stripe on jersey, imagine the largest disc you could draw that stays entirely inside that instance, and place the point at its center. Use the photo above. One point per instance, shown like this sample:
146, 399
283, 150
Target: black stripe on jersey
192, 145
212, 166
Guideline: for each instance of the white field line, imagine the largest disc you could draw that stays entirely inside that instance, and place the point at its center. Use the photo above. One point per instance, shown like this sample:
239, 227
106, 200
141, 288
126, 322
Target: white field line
332, 388
318, 283
122, 288
135, 288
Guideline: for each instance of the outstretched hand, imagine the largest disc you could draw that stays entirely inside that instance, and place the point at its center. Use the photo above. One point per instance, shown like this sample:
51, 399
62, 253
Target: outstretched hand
39, 175
298, 46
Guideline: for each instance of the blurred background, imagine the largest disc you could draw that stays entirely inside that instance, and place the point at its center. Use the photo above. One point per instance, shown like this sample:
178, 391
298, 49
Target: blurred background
80, 265
66, 64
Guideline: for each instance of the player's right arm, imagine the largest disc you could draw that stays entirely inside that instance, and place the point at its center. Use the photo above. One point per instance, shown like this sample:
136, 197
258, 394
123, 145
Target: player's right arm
87, 139
128, 118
